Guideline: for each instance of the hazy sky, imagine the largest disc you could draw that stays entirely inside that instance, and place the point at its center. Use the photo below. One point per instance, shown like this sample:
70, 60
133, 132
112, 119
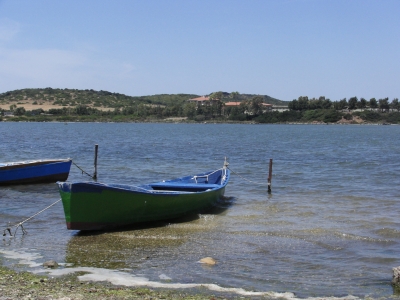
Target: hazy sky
281, 48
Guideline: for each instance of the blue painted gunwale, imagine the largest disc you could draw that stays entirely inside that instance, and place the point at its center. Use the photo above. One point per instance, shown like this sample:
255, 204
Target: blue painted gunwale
34, 171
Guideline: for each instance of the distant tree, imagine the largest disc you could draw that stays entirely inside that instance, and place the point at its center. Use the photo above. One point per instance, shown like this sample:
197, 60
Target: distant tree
216, 107
313, 104
189, 110
129, 110
243, 107
12, 107
217, 95
373, 103
303, 103
142, 110
395, 104
293, 105
228, 110
82, 110
57, 111
325, 103
362, 103
320, 103
234, 95
352, 102
174, 110
340, 105
19, 111
207, 109
384, 104
35, 112
256, 106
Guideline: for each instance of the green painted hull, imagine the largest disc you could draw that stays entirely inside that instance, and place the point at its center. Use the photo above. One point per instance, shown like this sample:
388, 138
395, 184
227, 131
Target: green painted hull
96, 206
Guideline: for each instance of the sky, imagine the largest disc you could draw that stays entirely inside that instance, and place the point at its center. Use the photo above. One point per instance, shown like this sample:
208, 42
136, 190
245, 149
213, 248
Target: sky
281, 48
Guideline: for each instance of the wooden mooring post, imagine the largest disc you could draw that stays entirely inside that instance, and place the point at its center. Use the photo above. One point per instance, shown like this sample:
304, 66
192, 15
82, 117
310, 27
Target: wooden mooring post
96, 149
270, 176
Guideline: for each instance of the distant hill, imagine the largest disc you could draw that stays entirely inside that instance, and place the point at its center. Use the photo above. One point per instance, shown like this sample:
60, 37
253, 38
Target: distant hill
267, 99
104, 99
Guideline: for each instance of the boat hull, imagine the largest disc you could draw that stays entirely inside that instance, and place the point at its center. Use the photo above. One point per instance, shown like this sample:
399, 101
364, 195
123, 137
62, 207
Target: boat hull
41, 171
105, 209
96, 206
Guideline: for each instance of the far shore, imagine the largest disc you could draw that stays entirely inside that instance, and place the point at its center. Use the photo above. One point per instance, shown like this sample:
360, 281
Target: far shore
186, 121
46, 106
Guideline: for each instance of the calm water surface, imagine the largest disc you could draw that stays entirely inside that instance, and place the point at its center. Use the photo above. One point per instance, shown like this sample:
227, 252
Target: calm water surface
329, 228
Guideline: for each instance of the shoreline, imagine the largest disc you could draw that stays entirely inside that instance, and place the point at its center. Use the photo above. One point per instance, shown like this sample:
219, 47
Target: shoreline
5, 120
17, 285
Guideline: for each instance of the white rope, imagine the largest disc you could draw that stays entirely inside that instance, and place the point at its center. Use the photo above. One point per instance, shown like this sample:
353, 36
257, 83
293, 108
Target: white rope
20, 223
39, 212
206, 176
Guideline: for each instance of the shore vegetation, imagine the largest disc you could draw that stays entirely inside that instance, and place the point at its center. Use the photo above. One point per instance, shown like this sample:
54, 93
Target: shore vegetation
71, 105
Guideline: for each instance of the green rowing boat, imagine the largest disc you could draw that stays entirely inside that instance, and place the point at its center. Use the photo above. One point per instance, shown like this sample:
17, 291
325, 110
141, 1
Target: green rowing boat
100, 206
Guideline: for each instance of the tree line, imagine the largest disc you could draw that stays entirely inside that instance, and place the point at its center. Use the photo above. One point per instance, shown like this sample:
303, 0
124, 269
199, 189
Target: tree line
303, 103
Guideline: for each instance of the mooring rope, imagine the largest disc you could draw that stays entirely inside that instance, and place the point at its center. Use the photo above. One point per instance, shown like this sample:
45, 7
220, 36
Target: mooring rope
20, 223
259, 183
83, 171
205, 175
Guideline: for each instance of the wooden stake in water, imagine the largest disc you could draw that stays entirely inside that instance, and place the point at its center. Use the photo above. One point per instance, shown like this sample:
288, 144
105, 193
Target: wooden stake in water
270, 176
96, 148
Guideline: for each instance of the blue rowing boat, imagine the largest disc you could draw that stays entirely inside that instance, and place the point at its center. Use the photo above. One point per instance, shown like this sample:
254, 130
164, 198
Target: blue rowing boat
34, 171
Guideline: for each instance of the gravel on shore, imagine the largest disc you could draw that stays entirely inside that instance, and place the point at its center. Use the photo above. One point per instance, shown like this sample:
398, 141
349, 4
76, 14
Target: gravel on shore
27, 286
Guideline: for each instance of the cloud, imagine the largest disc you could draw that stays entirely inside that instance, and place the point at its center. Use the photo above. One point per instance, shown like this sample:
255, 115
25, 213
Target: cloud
8, 29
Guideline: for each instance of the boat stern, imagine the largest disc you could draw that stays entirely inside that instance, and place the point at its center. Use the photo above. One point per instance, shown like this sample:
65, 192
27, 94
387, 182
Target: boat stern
65, 193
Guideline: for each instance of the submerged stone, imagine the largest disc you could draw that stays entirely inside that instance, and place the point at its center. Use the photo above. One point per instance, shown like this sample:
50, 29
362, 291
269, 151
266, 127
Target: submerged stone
51, 264
208, 261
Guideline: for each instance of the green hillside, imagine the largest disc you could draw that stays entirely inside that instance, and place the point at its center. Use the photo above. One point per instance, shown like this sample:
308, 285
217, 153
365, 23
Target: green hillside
97, 99
267, 99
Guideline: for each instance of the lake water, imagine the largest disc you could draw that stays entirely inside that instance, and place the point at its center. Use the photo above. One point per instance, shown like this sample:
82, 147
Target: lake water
330, 227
